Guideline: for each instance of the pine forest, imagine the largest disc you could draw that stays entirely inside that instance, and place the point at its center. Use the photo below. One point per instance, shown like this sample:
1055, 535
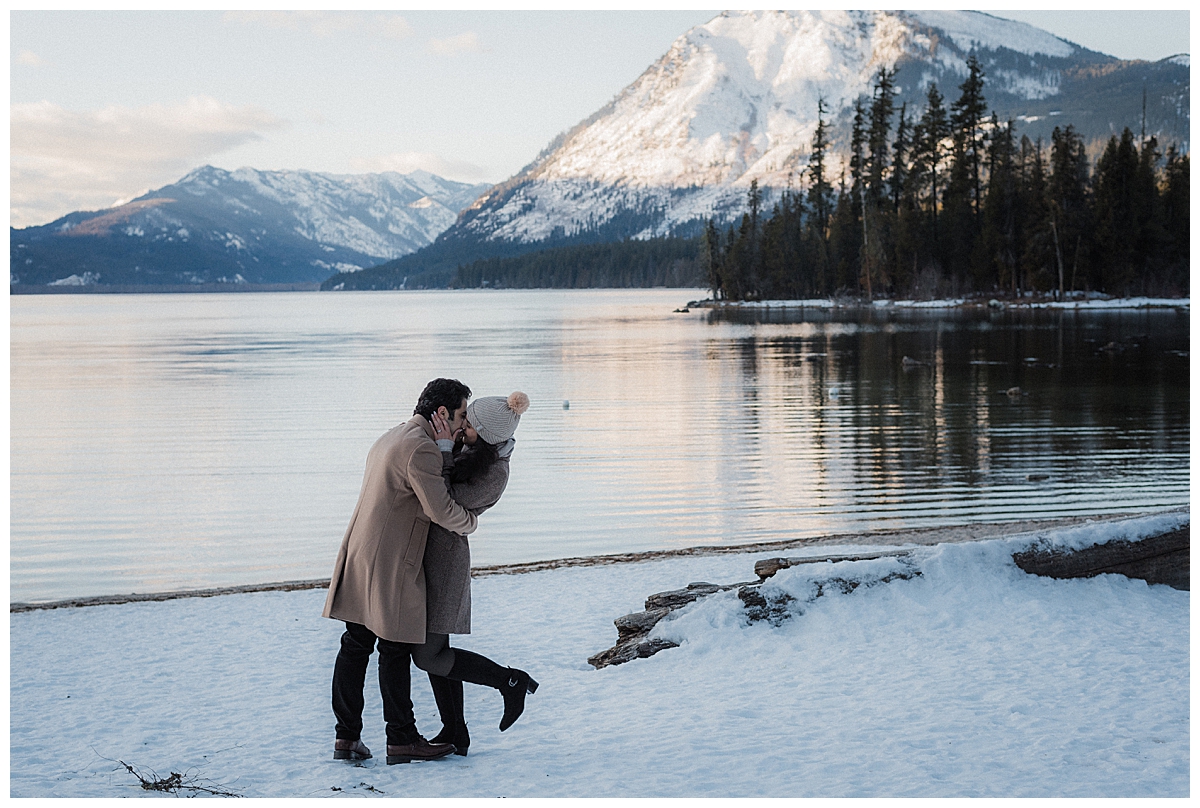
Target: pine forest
950, 201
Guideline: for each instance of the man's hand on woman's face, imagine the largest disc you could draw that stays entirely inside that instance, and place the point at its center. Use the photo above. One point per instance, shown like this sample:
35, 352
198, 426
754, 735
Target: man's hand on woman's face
441, 427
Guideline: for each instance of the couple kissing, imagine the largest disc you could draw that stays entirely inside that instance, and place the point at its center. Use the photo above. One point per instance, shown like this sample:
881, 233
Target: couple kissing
402, 579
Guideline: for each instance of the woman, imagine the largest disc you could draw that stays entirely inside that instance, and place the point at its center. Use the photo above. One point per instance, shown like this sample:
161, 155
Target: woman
477, 476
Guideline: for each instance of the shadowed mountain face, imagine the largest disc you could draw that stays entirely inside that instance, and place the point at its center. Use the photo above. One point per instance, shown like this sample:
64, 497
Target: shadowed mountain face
736, 99
245, 226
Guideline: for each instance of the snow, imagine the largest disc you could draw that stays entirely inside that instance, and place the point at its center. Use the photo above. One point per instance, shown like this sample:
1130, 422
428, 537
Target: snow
326, 205
383, 215
86, 279
735, 100
970, 678
950, 303
979, 30
1115, 303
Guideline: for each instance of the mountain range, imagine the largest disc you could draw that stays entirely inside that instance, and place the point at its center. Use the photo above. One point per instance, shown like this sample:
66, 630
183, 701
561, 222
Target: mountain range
242, 227
732, 101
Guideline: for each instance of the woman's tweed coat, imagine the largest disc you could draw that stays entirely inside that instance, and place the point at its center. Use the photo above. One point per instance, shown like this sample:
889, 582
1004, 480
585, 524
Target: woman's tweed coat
378, 579
448, 555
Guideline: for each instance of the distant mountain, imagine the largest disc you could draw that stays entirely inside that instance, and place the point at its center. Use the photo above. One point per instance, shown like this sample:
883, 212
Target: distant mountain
735, 100
244, 226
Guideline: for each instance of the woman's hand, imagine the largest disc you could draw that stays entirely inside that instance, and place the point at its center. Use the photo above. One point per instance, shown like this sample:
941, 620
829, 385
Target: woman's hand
441, 427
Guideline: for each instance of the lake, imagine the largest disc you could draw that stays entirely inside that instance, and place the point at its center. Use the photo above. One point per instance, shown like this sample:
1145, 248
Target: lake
163, 442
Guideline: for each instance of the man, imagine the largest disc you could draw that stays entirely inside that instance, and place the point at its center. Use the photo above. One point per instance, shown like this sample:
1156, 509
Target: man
378, 582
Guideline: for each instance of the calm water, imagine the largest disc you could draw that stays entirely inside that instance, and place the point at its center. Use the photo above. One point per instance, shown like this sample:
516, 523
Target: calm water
166, 442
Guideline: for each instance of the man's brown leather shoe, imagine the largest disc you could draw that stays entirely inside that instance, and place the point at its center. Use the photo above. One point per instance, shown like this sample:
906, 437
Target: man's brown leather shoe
350, 750
420, 749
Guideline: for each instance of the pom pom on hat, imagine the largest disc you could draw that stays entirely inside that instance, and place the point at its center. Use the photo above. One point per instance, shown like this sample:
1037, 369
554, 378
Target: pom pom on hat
495, 418
518, 402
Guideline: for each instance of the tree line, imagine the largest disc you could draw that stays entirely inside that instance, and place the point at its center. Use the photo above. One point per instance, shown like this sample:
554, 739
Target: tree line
951, 202
622, 264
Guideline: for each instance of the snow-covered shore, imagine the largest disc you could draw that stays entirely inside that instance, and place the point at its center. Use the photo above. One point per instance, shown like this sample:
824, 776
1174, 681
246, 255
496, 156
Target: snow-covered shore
1076, 303
969, 679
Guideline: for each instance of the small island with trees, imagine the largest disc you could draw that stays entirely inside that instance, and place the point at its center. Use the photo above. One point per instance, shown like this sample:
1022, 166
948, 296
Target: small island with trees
950, 203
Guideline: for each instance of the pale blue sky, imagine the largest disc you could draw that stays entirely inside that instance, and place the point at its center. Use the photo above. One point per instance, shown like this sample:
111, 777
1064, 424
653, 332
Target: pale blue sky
108, 104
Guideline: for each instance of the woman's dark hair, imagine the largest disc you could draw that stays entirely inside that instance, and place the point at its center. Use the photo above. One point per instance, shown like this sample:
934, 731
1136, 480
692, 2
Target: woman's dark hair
448, 393
473, 461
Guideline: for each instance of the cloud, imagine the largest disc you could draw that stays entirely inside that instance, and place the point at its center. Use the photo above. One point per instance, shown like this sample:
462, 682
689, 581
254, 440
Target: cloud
62, 160
467, 42
325, 23
28, 57
407, 162
393, 26
271, 19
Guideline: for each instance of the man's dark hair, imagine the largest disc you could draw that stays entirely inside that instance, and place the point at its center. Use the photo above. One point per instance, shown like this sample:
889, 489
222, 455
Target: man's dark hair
448, 393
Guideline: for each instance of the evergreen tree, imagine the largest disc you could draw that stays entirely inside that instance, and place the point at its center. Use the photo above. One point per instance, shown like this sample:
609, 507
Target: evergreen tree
820, 202
1037, 260
1148, 209
1069, 204
900, 149
710, 252
731, 267
963, 196
928, 153
882, 107
858, 158
845, 240
820, 194
752, 256
786, 269
1118, 222
853, 259
876, 213
1176, 219
1000, 235
753, 204
966, 119
912, 235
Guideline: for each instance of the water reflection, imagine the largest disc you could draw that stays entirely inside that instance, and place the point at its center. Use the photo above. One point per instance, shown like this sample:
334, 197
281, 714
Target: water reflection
197, 440
974, 414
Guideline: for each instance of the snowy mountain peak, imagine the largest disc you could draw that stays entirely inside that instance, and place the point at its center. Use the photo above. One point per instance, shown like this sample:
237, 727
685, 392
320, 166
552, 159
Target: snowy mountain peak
735, 100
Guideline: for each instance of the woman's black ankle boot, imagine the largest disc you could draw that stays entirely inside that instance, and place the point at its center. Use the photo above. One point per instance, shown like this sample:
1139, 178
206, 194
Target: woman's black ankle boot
512, 683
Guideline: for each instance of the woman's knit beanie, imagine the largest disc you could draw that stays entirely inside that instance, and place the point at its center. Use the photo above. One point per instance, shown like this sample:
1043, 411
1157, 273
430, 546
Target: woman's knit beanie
495, 418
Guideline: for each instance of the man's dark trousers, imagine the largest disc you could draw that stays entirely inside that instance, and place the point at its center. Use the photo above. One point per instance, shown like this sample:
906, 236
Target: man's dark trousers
350, 676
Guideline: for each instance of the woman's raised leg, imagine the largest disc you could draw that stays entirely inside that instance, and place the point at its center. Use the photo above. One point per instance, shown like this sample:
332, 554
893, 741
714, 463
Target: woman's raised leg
436, 656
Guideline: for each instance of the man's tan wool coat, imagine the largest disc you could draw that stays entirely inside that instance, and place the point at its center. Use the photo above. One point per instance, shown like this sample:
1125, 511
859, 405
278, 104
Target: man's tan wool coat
378, 579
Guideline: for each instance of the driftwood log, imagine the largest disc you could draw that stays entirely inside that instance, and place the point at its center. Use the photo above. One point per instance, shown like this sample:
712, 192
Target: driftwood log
633, 630
1162, 559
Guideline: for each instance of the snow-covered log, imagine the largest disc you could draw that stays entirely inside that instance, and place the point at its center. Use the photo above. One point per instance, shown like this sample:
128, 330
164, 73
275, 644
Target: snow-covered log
1163, 559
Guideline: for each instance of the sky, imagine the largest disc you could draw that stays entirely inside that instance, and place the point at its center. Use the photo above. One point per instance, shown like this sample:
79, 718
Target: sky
105, 105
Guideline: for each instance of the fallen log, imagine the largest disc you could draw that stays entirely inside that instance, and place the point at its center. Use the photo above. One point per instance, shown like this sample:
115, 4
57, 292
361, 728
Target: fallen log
769, 566
1163, 559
